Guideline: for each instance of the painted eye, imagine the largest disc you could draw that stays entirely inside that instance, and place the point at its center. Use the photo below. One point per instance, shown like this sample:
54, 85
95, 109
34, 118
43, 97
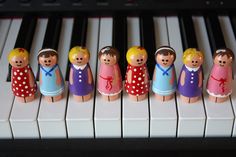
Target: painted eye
196, 61
45, 61
81, 59
192, 61
49, 61
141, 59
220, 61
224, 62
77, 58
108, 60
105, 60
16, 61
137, 60
167, 60
20, 61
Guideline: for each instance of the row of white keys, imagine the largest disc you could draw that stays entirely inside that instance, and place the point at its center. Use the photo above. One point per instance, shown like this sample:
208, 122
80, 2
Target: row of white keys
79, 117
107, 115
24, 115
163, 115
7, 97
4, 28
219, 116
51, 117
191, 116
229, 38
135, 114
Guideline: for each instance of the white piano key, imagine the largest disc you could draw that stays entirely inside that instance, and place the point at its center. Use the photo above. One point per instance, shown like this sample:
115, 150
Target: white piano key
7, 97
51, 117
163, 115
107, 115
230, 43
133, 31
4, 28
191, 116
79, 118
135, 114
37, 43
24, 116
219, 116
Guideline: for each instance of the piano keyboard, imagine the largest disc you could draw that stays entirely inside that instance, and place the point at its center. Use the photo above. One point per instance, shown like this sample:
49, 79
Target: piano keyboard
122, 118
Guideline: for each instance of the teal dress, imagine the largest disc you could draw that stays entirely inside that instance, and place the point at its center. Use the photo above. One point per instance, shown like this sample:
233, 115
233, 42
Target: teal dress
49, 86
162, 85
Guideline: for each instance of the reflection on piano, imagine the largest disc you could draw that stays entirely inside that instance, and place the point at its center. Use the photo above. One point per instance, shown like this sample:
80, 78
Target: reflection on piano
121, 124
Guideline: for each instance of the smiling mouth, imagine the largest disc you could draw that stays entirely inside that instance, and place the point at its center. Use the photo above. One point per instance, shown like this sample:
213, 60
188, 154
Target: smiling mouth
107, 63
18, 65
139, 63
47, 64
79, 62
221, 65
194, 65
164, 63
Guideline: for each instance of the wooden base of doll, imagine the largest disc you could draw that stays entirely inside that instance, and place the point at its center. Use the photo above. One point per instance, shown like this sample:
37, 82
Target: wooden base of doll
164, 98
217, 99
25, 99
82, 98
53, 99
110, 98
188, 99
138, 98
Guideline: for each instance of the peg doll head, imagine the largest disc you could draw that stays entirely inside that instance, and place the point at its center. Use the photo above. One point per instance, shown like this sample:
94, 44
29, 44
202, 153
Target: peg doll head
136, 56
18, 58
79, 55
193, 58
223, 57
108, 55
47, 57
165, 56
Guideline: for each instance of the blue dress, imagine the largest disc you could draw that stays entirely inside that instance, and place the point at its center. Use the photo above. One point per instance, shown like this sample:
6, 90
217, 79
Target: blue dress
163, 75
49, 86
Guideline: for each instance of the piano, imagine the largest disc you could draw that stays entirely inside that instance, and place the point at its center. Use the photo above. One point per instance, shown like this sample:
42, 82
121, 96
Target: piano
66, 126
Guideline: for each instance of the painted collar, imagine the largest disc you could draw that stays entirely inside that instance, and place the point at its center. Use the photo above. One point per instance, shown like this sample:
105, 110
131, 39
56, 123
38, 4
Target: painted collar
79, 67
192, 69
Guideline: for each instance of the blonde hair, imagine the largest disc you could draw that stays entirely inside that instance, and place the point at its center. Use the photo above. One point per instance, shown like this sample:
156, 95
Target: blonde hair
135, 50
190, 53
78, 49
18, 52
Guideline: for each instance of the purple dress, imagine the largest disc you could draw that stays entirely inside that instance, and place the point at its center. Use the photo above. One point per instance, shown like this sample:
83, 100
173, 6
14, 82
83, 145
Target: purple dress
80, 85
190, 87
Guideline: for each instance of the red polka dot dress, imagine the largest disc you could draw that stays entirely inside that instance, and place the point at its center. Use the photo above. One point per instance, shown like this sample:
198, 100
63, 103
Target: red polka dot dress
21, 83
137, 86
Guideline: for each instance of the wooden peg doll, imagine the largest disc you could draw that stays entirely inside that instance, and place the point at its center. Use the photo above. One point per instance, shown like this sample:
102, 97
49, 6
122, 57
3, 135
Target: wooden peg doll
219, 84
164, 76
191, 77
109, 76
50, 78
80, 78
137, 77
23, 82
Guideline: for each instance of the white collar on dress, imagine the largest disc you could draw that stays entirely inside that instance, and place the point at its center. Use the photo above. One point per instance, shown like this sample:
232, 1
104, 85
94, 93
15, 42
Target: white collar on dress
192, 69
79, 67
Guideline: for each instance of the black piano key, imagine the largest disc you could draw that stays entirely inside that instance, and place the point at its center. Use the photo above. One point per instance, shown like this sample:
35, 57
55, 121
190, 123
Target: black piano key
148, 41
52, 34
188, 35
214, 31
233, 23
119, 40
78, 37
25, 37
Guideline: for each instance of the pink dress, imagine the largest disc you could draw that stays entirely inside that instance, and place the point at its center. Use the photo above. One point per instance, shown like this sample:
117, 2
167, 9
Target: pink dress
106, 78
219, 83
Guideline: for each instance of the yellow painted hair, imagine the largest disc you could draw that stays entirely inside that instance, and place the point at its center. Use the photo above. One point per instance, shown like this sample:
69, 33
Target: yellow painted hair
18, 52
190, 53
78, 49
135, 50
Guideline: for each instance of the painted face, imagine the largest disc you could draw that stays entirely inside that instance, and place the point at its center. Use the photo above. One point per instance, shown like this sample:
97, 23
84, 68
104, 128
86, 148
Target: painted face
49, 61
19, 62
164, 60
108, 59
138, 60
80, 59
222, 61
195, 62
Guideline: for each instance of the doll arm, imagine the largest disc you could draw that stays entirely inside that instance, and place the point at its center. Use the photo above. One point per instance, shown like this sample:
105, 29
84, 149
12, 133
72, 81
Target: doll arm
90, 76
146, 76
31, 78
129, 76
172, 80
200, 79
154, 75
71, 76
58, 77
40, 78
182, 78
